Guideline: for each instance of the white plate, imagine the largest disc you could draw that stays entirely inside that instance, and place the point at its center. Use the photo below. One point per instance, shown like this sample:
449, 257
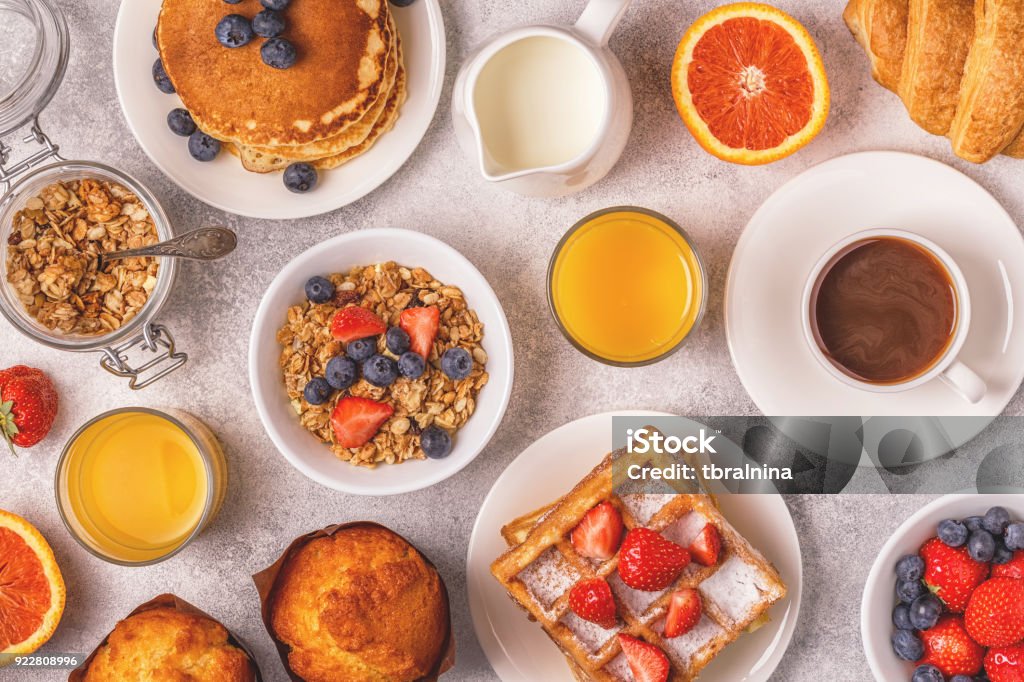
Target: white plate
223, 183
878, 601
518, 649
813, 211
339, 254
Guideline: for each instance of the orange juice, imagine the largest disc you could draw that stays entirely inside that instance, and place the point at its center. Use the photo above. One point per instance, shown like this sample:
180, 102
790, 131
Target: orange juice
626, 286
135, 485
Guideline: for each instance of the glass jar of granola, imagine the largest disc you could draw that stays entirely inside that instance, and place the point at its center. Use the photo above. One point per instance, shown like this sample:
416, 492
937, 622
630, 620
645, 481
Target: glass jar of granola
58, 216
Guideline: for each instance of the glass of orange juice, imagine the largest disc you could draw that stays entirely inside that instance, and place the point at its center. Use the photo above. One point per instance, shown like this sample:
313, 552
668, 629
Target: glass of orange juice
626, 286
136, 485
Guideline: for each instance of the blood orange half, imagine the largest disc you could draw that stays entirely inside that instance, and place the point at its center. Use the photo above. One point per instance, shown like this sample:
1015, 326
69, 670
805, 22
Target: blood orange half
749, 83
31, 588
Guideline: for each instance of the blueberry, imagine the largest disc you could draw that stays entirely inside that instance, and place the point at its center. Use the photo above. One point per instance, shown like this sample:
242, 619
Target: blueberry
154, 37
973, 523
928, 673
361, 349
910, 567
163, 82
1015, 536
402, 3
456, 363
202, 147
1003, 555
234, 30
996, 520
952, 533
300, 177
380, 370
317, 391
278, 53
907, 645
268, 24
981, 546
411, 365
397, 340
232, 2
925, 611
180, 122
276, 5
436, 442
341, 372
901, 617
909, 590
319, 289
961, 678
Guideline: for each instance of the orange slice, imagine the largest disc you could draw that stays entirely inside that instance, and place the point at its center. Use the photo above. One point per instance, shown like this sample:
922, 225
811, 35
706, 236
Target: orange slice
31, 588
749, 83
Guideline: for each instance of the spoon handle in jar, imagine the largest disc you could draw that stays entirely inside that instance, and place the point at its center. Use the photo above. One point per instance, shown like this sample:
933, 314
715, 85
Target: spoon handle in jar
205, 243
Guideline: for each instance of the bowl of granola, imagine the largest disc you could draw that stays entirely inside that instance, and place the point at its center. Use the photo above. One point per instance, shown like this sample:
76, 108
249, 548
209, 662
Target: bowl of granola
380, 362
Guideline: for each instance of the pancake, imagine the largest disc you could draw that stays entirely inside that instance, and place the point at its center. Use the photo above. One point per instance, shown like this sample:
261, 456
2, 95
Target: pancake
353, 135
343, 47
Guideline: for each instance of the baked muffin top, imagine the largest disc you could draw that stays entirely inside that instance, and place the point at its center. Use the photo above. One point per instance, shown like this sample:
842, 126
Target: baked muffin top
360, 605
165, 644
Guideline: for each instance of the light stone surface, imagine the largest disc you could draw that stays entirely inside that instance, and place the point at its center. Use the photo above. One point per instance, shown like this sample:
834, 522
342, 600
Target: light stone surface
509, 239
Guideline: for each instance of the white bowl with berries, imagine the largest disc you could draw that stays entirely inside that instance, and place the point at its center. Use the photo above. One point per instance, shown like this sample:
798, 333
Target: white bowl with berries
380, 362
944, 601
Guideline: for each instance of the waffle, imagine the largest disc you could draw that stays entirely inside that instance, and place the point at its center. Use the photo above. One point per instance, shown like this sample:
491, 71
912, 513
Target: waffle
541, 566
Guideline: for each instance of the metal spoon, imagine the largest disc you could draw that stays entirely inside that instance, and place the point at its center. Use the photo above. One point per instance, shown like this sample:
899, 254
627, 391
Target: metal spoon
206, 243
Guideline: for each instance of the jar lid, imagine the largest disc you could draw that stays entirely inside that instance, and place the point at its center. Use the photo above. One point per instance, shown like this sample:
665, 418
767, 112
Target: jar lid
33, 57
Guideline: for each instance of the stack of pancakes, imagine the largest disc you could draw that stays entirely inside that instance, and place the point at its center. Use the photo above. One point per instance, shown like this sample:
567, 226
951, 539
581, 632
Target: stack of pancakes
344, 91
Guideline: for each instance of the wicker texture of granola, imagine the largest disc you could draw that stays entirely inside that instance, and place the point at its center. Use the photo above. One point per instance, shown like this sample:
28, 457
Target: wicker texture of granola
53, 252
387, 289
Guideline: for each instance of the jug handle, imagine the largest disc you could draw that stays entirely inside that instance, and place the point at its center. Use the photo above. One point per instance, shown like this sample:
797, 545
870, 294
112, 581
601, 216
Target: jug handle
599, 19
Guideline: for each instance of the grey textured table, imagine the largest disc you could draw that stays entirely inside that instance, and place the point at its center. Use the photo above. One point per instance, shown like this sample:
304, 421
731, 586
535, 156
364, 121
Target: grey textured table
509, 238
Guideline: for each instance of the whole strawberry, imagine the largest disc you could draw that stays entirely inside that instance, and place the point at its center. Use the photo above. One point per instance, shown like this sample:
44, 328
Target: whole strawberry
995, 613
1005, 664
949, 648
28, 406
952, 573
648, 561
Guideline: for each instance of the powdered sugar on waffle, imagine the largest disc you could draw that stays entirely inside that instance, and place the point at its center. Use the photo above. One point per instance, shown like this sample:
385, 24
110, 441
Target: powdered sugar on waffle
549, 577
685, 647
643, 506
684, 531
619, 668
591, 635
737, 589
635, 601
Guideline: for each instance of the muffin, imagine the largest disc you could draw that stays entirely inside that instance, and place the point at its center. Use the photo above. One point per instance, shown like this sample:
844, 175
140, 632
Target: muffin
165, 643
360, 605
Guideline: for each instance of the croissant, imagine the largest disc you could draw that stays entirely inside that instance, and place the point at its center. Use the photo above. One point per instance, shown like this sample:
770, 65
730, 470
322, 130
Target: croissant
958, 66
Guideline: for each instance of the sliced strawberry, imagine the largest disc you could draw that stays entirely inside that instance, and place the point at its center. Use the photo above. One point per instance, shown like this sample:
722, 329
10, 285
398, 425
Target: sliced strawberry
598, 535
684, 610
421, 325
649, 562
949, 648
356, 322
1013, 569
357, 420
647, 662
592, 600
951, 573
706, 548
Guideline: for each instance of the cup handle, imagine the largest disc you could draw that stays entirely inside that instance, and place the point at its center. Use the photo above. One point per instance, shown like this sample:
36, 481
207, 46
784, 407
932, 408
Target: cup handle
599, 19
964, 381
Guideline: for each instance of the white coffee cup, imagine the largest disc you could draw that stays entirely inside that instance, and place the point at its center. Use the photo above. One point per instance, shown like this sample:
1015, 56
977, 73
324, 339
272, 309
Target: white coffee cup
947, 368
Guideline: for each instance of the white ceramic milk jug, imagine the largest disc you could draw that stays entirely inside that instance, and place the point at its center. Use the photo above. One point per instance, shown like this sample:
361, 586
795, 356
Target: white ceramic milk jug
546, 110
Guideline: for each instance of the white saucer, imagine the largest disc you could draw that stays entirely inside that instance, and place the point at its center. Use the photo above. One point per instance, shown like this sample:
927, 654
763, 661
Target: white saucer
223, 183
816, 209
518, 649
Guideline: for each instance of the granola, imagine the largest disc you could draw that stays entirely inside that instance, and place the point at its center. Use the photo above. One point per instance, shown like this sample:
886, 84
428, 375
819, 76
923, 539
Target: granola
53, 251
433, 399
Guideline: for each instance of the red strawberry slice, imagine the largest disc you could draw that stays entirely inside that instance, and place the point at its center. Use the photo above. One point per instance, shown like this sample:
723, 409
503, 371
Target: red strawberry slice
649, 562
1005, 664
647, 662
949, 648
357, 420
951, 573
356, 322
592, 600
421, 325
1013, 569
706, 548
684, 610
995, 613
598, 535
